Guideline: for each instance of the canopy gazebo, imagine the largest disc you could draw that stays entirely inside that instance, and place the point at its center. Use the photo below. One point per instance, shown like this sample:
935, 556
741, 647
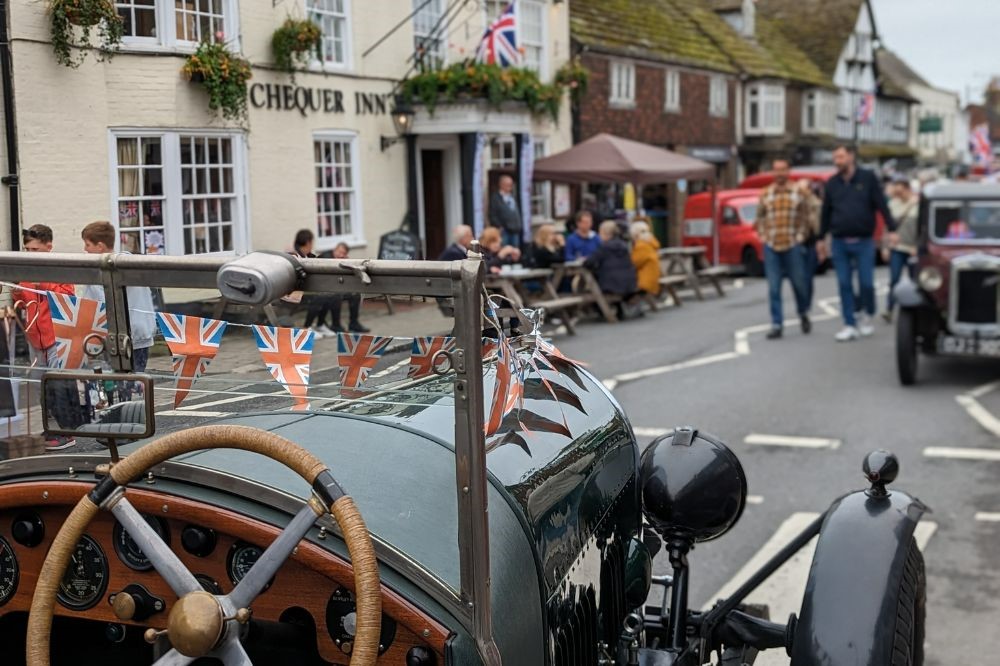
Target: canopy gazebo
606, 158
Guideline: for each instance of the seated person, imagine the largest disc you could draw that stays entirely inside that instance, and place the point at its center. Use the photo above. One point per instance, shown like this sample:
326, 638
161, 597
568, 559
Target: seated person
354, 325
583, 241
495, 253
461, 239
547, 248
645, 257
611, 263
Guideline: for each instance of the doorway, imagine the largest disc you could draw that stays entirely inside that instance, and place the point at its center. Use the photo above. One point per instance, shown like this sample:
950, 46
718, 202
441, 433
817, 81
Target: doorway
435, 213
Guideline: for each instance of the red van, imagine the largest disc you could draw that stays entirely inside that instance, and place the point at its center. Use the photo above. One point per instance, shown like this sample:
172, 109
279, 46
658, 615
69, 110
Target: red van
738, 240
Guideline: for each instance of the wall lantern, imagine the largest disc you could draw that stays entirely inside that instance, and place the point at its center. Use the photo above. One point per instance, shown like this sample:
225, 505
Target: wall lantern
402, 120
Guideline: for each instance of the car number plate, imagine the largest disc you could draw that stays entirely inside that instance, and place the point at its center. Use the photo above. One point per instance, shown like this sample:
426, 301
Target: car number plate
969, 346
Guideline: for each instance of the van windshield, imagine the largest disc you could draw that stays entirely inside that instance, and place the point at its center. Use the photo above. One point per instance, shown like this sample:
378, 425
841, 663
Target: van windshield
748, 213
966, 221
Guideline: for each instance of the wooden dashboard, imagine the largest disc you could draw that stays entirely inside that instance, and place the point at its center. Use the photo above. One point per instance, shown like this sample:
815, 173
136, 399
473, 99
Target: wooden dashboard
306, 582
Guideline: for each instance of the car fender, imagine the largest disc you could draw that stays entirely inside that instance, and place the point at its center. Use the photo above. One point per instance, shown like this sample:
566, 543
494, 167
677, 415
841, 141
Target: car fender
849, 609
908, 294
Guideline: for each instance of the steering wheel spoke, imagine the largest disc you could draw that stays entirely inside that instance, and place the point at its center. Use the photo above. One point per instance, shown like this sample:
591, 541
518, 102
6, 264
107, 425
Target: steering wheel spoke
271, 560
173, 658
232, 654
166, 563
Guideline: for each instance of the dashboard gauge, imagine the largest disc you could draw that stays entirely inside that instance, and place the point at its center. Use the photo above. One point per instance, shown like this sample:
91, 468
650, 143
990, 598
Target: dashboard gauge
242, 557
208, 584
86, 577
9, 573
342, 622
128, 550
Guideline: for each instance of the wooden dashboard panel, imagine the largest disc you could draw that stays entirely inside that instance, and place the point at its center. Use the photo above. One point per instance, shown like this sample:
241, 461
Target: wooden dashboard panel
305, 581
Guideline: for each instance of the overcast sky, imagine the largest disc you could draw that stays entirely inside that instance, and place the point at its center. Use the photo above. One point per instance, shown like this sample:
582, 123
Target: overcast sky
954, 44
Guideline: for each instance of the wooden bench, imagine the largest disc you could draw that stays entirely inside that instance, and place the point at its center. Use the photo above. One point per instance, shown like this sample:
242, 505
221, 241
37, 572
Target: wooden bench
713, 275
670, 284
563, 305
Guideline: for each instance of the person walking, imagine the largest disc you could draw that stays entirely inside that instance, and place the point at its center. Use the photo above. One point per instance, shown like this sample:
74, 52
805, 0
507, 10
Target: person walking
813, 205
505, 214
782, 224
853, 197
905, 206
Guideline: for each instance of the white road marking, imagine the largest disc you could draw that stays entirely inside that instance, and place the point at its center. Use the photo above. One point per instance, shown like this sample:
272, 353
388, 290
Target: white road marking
742, 345
783, 591
179, 412
673, 367
957, 453
970, 402
788, 440
651, 432
755, 499
988, 517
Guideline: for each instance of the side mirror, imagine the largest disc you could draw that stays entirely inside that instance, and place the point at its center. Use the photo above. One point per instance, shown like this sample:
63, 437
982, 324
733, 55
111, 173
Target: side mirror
105, 406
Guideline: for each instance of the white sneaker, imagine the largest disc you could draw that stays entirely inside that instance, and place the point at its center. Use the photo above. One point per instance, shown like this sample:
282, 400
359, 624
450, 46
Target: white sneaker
318, 332
326, 331
847, 334
865, 326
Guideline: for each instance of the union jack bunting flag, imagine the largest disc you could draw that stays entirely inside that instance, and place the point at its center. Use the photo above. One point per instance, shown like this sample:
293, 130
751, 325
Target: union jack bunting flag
194, 342
508, 391
489, 346
357, 354
866, 108
287, 353
499, 45
76, 323
980, 146
422, 355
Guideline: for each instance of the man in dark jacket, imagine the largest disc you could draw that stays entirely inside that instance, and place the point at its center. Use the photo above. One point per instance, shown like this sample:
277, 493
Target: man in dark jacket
461, 240
504, 213
612, 263
853, 196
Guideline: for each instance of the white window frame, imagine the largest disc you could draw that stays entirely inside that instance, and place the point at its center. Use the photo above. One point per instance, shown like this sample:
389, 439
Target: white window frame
503, 143
356, 236
493, 8
621, 83
541, 191
442, 38
324, 64
173, 216
167, 40
672, 91
718, 96
824, 106
769, 98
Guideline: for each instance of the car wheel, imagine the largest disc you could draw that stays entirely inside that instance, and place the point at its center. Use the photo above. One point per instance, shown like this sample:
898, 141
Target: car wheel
751, 262
906, 346
911, 611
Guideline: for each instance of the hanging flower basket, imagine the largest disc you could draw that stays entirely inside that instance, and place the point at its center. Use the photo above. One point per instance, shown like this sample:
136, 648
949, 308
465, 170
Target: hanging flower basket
574, 77
72, 18
294, 42
224, 75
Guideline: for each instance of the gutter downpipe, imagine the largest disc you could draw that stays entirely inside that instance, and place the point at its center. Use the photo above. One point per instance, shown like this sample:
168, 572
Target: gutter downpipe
10, 131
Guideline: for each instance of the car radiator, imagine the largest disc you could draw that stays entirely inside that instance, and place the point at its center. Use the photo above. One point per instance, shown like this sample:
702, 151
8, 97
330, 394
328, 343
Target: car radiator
977, 296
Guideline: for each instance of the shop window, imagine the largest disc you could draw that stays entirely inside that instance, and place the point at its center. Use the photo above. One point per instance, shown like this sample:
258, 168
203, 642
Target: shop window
178, 24
337, 206
333, 18
429, 32
718, 96
180, 193
622, 91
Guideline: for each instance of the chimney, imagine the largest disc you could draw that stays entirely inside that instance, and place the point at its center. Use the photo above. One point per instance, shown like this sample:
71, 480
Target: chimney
749, 19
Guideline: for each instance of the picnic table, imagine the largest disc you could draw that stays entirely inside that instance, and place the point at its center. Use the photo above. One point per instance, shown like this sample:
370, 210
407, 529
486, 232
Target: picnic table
585, 286
513, 284
690, 263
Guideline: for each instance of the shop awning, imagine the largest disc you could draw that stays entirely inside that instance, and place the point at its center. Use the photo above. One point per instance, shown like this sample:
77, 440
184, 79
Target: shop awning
611, 159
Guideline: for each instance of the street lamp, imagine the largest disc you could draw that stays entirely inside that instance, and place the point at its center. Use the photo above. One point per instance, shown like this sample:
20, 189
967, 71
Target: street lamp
402, 120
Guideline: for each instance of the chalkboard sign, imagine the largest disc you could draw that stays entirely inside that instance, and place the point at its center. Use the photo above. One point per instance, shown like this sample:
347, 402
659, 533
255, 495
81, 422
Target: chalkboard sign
400, 245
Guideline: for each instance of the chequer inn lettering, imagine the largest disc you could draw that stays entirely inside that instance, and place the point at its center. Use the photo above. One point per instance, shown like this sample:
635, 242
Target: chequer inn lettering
317, 100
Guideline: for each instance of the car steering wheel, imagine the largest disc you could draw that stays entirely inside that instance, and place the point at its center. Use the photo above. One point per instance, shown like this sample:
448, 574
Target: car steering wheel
202, 624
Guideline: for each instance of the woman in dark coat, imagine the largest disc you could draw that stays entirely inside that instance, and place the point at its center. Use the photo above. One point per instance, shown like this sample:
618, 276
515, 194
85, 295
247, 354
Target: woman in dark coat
612, 263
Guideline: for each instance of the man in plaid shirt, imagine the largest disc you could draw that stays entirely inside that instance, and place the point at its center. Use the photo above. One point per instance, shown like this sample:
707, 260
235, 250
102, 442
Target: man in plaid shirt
783, 225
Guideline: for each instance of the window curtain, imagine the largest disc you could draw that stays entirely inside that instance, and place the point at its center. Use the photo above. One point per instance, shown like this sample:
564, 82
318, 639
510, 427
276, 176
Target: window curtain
128, 179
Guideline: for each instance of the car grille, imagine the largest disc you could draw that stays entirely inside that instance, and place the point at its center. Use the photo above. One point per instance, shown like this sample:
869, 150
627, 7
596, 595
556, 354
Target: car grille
576, 637
977, 297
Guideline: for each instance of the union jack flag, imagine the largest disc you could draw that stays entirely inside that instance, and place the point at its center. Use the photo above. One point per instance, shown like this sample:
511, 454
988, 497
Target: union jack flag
422, 355
357, 354
508, 391
980, 145
287, 353
489, 347
194, 342
866, 108
76, 323
499, 45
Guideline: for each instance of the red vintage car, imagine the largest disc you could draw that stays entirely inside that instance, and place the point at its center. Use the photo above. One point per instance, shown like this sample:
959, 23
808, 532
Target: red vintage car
736, 213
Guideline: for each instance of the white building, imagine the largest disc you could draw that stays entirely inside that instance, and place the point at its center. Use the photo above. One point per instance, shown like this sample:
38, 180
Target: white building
132, 141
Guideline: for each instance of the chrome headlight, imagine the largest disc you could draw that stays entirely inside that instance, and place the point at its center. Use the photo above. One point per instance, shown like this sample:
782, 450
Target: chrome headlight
930, 278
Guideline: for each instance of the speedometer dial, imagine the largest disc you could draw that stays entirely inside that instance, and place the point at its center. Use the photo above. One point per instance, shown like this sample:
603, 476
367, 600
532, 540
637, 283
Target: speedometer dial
9, 573
86, 577
242, 557
128, 550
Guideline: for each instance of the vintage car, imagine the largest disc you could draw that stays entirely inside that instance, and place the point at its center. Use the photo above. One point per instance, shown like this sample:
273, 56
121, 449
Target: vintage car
739, 243
951, 309
393, 526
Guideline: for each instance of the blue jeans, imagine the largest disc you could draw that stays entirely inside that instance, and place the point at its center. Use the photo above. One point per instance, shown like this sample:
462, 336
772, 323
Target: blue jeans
850, 254
898, 262
512, 238
811, 263
778, 265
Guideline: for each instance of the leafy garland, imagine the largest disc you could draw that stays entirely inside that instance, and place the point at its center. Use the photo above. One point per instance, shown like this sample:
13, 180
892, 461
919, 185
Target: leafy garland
87, 14
470, 80
574, 76
224, 75
294, 41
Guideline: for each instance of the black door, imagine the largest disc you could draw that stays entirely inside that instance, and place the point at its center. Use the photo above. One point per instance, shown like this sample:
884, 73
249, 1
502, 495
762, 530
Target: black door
435, 223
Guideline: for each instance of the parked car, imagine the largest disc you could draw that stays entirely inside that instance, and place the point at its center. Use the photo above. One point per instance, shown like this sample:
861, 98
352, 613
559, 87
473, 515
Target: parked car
952, 307
532, 545
736, 212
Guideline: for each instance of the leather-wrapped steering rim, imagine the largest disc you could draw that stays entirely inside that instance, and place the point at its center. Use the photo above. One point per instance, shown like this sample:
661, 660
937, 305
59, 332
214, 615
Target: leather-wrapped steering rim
279, 449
